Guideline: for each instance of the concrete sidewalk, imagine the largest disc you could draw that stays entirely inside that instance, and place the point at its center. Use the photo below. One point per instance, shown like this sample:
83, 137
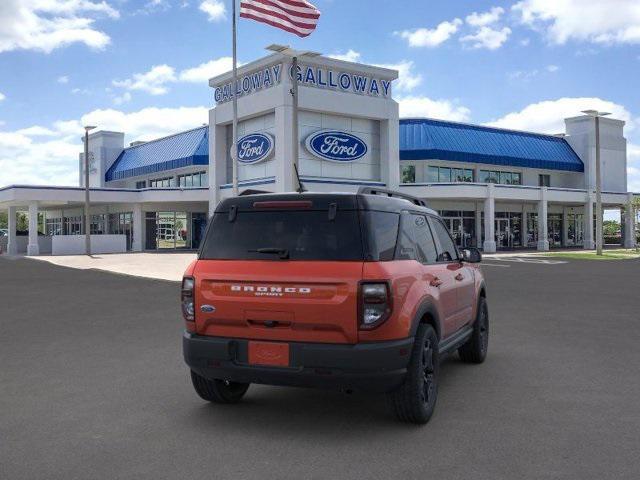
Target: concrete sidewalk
163, 266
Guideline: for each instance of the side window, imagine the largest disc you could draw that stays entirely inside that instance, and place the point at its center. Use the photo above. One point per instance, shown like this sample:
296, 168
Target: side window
382, 234
416, 242
446, 248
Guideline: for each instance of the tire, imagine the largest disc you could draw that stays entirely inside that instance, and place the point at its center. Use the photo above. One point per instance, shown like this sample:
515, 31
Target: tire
415, 400
475, 350
218, 391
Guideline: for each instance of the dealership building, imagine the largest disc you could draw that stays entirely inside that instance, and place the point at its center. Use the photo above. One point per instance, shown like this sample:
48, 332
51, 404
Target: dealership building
496, 189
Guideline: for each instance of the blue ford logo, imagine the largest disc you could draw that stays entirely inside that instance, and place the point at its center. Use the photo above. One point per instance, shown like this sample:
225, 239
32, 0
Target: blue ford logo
336, 146
255, 147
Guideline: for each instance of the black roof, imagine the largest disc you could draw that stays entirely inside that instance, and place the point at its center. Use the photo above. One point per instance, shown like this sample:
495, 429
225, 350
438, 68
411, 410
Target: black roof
322, 201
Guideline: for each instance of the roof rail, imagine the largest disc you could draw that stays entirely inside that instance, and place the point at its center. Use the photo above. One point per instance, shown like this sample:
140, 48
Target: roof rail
391, 193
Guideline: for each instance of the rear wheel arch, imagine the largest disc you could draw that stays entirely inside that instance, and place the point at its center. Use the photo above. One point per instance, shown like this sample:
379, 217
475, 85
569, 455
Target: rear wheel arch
427, 314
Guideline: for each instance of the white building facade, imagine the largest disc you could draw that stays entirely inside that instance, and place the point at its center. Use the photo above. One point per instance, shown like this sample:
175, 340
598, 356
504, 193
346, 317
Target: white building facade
496, 189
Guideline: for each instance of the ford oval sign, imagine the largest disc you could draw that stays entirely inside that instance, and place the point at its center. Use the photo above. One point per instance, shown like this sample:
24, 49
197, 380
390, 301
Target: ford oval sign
255, 147
336, 146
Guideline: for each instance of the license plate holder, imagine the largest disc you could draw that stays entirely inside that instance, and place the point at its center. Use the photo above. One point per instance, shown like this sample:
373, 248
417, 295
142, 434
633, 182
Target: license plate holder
270, 354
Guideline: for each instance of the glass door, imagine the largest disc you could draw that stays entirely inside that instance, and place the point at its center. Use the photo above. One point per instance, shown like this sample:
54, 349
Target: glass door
554, 230
166, 230
503, 233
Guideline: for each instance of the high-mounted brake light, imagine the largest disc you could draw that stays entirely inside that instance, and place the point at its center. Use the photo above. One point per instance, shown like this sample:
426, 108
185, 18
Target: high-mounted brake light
375, 304
283, 204
187, 297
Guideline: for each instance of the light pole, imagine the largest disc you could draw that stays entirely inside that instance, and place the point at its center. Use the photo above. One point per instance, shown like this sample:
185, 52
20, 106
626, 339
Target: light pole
87, 217
596, 114
294, 54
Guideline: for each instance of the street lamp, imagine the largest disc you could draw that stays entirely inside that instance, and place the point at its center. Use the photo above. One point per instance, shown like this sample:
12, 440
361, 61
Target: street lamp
294, 54
87, 217
596, 114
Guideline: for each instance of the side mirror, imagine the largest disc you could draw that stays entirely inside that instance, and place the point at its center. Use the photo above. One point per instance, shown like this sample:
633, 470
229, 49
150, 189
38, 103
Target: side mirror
471, 255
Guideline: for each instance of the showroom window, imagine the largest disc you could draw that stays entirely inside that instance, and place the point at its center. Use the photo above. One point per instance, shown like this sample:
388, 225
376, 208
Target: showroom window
503, 178
162, 182
408, 174
190, 180
447, 174
544, 180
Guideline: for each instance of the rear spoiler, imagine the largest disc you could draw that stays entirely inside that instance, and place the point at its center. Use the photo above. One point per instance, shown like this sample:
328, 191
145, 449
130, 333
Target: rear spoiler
391, 193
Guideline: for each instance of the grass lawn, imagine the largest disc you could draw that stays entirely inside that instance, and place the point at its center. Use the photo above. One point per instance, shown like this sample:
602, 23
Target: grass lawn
618, 254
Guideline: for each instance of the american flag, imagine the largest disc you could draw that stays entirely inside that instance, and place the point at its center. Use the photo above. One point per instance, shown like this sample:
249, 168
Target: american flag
294, 16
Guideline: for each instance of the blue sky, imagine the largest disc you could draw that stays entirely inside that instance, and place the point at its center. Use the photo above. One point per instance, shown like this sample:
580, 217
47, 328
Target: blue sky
141, 66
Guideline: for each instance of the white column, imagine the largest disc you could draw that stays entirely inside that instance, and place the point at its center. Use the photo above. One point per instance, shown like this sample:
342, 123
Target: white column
390, 151
12, 245
32, 246
629, 224
218, 160
489, 245
138, 219
478, 225
543, 240
283, 154
589, 242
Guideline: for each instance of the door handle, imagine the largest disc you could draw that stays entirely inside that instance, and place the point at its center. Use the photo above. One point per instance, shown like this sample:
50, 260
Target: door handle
436, 282
459, 277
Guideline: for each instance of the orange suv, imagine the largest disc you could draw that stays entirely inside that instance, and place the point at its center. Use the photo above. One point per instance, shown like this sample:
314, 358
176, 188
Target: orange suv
361, 291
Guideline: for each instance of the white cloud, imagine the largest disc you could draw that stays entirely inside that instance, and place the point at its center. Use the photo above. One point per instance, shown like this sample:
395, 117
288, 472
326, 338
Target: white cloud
424, 37
487, 37
548, 116
349, 56
486, 18
407, 78
420, 106
154, 81
525, 42
45, 25
595, 21
63, 79
203, 72
526, 75
120, 99
48, 155
214, 9
2, 96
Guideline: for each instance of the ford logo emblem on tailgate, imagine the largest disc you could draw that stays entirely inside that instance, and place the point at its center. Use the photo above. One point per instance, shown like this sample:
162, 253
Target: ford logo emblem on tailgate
336, 146
207, 308
255, 147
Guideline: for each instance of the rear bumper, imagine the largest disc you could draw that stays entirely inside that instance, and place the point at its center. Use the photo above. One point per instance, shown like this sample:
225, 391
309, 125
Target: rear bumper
373, 367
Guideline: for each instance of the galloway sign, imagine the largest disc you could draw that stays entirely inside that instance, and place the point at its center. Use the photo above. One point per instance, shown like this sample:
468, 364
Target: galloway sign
308, 76
331, 79
336, 146
255, 148
248, 84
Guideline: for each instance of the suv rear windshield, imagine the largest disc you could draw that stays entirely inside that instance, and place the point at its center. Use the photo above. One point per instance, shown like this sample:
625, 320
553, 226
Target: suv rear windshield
291, 234
302, 235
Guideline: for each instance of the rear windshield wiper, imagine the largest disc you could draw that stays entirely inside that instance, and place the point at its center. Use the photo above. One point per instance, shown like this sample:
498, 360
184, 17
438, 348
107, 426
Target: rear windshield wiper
283, 253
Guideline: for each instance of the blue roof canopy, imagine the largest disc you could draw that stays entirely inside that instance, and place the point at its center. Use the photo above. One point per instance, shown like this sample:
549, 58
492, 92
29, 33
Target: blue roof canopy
176, 151
427, 139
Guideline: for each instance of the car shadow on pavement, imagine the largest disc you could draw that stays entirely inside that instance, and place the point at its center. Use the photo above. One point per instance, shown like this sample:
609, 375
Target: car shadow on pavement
286, 410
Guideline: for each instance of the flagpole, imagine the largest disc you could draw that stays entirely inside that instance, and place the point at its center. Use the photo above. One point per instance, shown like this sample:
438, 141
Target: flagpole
234, 144
294, 126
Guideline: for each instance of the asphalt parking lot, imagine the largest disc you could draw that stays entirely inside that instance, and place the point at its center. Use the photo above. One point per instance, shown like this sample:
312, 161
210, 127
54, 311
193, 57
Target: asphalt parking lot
92, 385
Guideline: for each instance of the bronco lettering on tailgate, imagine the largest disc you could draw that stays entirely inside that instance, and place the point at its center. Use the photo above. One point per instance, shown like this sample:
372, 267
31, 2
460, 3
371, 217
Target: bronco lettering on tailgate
269, 290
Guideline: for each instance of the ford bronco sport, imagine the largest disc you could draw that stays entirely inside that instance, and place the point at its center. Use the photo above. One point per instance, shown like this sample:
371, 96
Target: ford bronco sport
361, 291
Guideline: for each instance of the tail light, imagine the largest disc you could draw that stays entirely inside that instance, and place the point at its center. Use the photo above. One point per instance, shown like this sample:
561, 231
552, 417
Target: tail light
375, 304
188, 309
